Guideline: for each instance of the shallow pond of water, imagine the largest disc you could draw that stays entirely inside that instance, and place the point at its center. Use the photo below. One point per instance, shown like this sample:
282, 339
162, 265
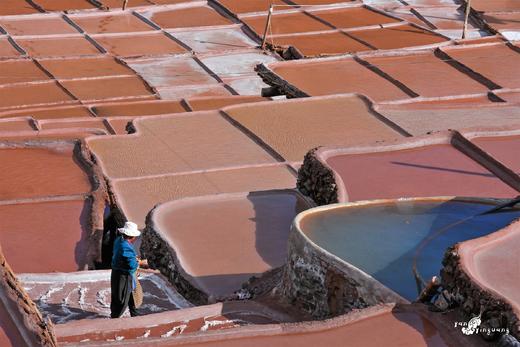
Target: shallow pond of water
382, 239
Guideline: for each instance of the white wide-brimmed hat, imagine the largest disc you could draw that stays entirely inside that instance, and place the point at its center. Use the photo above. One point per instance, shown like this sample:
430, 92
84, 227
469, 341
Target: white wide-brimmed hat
130, 229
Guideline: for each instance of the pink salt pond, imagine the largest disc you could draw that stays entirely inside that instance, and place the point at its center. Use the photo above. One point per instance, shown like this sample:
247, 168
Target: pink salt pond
433, 168
221, 241
41, 172
503, 148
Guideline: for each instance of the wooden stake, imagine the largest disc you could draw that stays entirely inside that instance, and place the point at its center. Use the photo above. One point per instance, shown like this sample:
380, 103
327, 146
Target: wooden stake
466, 18
125, 2
267, 24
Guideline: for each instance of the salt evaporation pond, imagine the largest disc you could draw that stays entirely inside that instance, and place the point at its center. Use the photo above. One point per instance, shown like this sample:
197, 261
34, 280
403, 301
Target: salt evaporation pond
382, 239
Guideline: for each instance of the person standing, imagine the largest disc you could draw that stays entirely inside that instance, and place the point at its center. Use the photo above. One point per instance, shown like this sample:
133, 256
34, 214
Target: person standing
124, 266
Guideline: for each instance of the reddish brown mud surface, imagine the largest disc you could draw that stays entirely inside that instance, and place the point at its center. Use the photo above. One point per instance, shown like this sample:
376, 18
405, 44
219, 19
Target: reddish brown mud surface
16, 125
314, 78
244, 235
107, 88
36, 26
144, 108
503, 21
39, 172
504, 149
353, 17
85, 67
176, 148
421, 118
322, 43
19, 71
53, 238
64, 5
285, 23
32, 94
215, 40
397, 37
291, 128
492, 262
189, 17
138, 197
57, 47
13, 7
139, 44
496, 62
495, 5
215, 103
116, 23
7, 50
427, 75
49, 112
240, 6
437, 170
78, 123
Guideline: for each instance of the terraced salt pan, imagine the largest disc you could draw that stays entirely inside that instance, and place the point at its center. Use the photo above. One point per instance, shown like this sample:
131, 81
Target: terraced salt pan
400, 326
427, 75
497, 62
171, 71
15, 125
496, 6
215, 40
15, 7
419, 119
394, 37
41, 172
244, 235
49, 46
186, 17
54, 246
19, 71
293, 127
25, 95
51, 112
36, 25
64, 5
77, 123
110, 23
72, 296
85, 67
285, 23
139, 44
505, 23
138, 109
236, 64
352, 17
193, 91
216, 103
315, 44
240, 7
503, 148
247, 85
336, 76
7, 50
431, 168
446, 18
176, 148
136, 197
107, 88
491, 261
172, 325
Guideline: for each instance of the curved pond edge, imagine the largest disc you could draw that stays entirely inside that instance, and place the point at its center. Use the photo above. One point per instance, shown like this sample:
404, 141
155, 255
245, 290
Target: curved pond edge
161, 252
324, 285
324, 185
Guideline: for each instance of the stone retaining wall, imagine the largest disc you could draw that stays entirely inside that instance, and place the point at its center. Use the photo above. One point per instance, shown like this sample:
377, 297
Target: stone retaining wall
317, 181
325, 286
496, 313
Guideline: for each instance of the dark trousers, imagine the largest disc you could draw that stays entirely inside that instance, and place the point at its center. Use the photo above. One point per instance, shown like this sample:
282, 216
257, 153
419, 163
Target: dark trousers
121, 285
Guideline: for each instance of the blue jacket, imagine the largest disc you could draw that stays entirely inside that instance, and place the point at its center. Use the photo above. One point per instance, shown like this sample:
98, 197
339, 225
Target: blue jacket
124, 257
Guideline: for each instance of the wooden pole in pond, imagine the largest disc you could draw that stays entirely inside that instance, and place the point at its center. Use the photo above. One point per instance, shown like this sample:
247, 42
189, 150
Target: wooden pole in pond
267, 25
125, 2
466, 18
